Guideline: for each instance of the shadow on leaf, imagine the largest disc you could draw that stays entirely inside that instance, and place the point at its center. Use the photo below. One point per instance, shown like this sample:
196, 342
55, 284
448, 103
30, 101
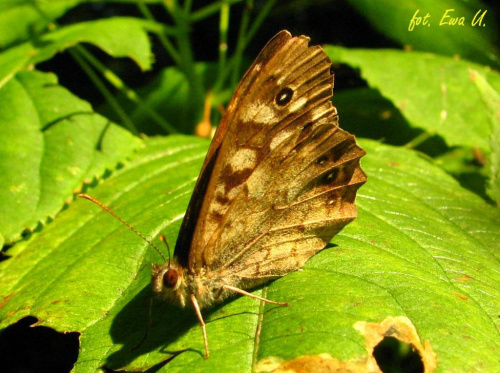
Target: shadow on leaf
130, 326
168, 324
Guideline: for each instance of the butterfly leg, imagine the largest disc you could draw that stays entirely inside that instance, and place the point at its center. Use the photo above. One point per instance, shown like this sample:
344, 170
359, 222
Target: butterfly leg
202, 323
243, 292
219, 293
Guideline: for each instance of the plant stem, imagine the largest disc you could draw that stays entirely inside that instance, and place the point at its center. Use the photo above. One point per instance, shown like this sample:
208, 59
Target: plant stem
261, 16
125, 119
115, 80
240, 46
208, 10
169, 47
418, 140
186, 63
223, 29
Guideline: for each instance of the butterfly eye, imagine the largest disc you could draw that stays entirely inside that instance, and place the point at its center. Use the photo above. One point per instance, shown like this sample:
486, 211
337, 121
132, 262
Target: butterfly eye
170, 278
284, 96
331, 70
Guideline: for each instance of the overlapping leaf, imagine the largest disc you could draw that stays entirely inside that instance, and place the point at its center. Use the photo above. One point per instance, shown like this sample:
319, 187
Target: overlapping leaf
21, 19
51, 142
432, 92
119, 37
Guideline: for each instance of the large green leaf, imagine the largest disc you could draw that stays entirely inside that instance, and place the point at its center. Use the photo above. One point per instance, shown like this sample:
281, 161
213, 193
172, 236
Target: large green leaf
119, 37
432, 92
422, 248
51, 142
440, 31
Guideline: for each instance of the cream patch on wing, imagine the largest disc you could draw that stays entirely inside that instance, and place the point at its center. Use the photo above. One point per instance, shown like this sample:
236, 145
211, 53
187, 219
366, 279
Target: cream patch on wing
243, 159
278, 139
317, 112
281, 80
298, 104
259, 113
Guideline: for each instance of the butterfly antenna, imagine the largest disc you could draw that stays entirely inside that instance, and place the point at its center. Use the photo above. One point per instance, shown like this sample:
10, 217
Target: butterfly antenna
109, 211
162, 238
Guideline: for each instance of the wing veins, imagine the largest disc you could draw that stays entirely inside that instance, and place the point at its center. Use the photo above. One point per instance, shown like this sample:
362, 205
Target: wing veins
302, 224
336, 187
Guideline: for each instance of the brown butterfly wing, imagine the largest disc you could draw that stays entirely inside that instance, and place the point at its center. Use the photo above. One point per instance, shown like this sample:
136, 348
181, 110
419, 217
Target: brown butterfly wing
296, 200
280, 177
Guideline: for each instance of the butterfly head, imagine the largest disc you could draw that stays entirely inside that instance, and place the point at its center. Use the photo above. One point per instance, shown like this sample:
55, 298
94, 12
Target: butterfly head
169, 283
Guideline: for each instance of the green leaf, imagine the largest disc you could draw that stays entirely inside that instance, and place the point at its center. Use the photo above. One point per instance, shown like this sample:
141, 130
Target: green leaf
119, 37
51, 142
491, 99
432, 92
21, 19
440, 31
422, 247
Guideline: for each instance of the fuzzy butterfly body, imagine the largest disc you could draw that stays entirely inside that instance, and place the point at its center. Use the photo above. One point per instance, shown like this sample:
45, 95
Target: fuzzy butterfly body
279, 181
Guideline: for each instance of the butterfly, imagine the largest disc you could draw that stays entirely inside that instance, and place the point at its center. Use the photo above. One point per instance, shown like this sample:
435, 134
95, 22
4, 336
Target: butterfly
278, 182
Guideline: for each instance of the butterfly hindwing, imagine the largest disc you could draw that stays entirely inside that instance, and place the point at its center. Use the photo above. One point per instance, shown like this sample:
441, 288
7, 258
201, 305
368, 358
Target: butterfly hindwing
300, 197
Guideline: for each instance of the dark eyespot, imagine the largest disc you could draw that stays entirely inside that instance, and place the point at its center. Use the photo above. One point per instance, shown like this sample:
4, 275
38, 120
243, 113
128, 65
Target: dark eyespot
284, 96
332, 199
329, 178
170, 278
322, 159
307, 128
